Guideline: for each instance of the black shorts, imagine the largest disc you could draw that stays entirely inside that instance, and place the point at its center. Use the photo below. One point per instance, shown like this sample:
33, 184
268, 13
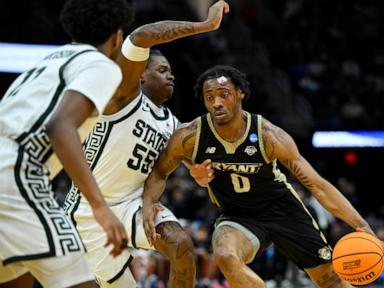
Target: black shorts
291, 228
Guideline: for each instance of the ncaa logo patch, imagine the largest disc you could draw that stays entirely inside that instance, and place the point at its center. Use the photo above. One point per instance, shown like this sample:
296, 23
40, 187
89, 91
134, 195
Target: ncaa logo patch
253, 138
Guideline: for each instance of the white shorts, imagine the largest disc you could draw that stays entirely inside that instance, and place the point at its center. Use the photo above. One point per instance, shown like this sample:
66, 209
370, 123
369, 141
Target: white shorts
103, 264
32, 225
55, 272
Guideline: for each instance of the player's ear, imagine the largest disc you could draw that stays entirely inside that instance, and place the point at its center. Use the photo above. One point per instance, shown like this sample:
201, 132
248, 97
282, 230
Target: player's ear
242, 95
118, 38
142, 80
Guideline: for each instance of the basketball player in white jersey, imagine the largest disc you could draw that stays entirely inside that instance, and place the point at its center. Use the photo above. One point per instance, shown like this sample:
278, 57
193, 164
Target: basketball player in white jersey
121, 151
46, 112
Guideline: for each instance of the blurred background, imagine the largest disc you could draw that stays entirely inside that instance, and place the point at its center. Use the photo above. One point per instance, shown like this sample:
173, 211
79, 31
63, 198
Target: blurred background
313, 66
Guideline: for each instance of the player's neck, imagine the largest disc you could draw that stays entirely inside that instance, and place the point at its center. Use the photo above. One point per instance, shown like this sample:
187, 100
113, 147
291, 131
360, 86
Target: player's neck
156, 99
234, 129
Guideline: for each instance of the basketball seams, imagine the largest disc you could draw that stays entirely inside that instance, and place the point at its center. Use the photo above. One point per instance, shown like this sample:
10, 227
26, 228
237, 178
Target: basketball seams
360, 253
364, 238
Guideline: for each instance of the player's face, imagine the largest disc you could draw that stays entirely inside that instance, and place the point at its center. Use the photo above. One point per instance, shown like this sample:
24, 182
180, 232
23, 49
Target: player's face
158, 79
222, 99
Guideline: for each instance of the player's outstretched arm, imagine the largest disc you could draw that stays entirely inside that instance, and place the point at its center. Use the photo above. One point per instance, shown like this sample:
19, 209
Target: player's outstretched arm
280, 145
136, 46
179, 148
160, 32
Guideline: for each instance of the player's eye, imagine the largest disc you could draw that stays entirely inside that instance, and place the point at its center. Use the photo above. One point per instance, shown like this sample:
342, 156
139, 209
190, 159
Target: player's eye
209, 98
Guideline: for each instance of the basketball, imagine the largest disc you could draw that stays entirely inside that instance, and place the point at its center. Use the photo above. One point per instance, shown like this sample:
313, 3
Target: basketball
358, 258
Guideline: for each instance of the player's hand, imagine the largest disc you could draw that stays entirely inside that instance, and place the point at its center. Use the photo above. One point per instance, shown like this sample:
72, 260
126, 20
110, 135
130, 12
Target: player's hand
202, 173
116, 234
216, 13
369, 230
149, 213
366, 229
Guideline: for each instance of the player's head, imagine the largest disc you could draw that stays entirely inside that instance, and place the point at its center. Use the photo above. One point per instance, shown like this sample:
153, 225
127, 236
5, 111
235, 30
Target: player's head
222, 89
157, 79
95, 21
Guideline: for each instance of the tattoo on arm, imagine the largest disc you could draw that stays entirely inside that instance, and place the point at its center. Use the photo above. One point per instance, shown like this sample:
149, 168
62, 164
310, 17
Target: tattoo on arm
280, 145
170, 30
269, 141
187, 137
297, 171
170, 165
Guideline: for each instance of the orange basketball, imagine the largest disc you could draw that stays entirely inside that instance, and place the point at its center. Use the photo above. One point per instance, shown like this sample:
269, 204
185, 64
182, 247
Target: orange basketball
358, 258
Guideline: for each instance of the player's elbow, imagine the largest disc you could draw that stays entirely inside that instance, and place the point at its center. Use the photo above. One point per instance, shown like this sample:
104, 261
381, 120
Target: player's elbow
141, 38
158, 174
53, 127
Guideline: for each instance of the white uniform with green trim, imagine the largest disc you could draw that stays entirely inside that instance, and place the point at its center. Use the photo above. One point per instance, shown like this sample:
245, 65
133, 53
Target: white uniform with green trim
32, 225
121, 151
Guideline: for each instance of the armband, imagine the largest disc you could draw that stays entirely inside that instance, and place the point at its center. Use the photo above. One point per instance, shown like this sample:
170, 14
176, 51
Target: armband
132, 52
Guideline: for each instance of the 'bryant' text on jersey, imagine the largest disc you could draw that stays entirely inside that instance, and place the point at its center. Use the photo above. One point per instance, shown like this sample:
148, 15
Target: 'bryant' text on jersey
247, 168
143, 157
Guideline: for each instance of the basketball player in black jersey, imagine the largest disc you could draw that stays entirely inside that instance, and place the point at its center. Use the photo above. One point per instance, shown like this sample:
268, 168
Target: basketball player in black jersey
259, 206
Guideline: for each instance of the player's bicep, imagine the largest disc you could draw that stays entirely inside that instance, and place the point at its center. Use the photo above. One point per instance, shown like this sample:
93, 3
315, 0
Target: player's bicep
278, 144
171, 156
167, 161
179, 148
289, 156
281, 146
132, 71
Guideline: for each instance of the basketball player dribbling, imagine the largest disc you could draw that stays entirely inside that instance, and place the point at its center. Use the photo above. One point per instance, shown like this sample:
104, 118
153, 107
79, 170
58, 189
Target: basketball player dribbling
258, 205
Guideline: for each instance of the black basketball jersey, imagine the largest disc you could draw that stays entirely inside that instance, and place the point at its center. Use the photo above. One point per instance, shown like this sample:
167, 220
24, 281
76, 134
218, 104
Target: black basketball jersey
246, 181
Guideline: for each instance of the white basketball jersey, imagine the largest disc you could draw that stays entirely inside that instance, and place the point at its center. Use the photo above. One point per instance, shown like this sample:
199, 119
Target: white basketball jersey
122, 149
33, 97
32, 224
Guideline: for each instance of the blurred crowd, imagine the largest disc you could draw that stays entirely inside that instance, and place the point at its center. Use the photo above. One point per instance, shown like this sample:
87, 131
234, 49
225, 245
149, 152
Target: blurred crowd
312, 65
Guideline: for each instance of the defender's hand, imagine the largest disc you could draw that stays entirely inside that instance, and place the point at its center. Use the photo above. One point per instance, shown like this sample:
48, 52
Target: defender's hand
202, 173
116, 234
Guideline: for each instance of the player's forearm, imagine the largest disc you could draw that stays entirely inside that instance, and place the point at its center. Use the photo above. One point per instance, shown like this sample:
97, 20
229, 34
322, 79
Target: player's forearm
154, 186
165, 31
335, 202
66, 143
